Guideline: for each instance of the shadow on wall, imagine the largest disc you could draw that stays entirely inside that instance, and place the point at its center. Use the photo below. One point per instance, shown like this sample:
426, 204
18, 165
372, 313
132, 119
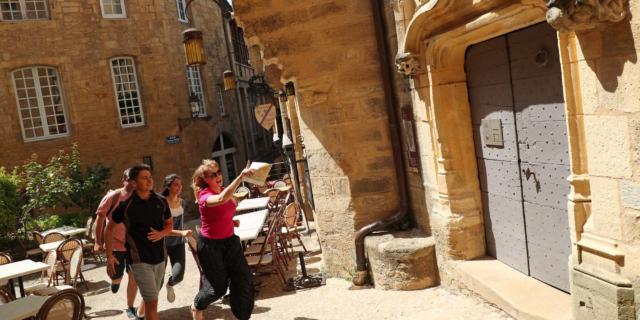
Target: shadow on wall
607, 51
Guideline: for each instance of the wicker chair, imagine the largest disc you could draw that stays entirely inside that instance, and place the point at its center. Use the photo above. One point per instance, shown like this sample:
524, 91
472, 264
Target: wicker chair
242, 192
75, 268
53, 237
291, 228
4, 259
47, 277
267, 256
37, 237
65, 252
5, 296
66, 304
279, 184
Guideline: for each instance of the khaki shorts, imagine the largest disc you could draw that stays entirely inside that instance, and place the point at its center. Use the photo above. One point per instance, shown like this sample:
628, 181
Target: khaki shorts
149, 278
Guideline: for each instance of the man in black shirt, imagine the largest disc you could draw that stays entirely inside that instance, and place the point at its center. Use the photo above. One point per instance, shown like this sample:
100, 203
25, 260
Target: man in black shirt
147, 218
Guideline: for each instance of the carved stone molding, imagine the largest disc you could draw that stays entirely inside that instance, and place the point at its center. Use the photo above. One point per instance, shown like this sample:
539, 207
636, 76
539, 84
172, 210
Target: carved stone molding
408, 63
572, 15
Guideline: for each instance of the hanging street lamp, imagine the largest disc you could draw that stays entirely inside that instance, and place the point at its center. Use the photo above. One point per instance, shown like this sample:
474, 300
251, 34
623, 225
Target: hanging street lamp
193, 47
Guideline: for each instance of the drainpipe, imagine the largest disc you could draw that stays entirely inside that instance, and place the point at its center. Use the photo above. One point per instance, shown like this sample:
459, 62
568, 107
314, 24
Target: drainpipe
226, 16
361, 277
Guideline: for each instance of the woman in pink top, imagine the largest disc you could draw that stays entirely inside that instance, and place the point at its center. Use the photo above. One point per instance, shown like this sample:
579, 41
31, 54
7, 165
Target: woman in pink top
219, 249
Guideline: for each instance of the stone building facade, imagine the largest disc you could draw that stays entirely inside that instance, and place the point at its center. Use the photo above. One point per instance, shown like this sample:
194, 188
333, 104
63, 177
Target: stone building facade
111, 75
525, 117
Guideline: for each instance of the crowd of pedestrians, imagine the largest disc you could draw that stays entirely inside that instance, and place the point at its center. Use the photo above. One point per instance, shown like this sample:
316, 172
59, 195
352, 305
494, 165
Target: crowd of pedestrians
145, 232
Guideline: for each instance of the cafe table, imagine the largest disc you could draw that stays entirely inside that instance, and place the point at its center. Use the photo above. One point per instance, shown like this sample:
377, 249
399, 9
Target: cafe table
19, 269
46, 247
253, 204
66, 231
250, 224
22, 308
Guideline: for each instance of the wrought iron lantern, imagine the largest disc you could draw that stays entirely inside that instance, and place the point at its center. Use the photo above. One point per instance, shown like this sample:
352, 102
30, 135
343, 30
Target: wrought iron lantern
193, 47
229, 80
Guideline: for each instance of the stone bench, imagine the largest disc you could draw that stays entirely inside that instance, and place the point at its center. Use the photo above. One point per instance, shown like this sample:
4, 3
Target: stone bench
403, 260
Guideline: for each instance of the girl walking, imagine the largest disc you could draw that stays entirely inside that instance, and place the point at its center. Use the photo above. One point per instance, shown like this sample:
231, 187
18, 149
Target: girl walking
175, 241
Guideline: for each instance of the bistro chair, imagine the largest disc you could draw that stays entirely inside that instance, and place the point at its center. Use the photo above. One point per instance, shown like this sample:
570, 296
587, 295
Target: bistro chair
242, 192
5, 296
291, 228
266, 259
65, 252
256, 246
53, 237
75, 268
37, 237
43, 287
67, 304
5, 258
280, 184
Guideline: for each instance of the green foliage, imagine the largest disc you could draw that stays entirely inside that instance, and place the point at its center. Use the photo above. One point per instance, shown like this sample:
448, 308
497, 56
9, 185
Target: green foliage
44, 186
9, 202
58, 220
89, 185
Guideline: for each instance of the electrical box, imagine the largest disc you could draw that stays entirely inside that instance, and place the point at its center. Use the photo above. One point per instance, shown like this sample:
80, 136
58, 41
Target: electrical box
492, 133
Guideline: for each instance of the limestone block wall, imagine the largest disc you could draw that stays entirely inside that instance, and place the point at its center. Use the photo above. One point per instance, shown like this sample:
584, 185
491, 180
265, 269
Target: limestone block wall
328, 49
79, 42
608, 75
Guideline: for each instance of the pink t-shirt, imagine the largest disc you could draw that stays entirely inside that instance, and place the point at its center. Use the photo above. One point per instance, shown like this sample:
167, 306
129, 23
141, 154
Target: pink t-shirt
120, 231
217, 222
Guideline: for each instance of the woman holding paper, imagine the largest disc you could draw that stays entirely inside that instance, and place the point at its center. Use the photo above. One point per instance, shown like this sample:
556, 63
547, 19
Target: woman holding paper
219, 249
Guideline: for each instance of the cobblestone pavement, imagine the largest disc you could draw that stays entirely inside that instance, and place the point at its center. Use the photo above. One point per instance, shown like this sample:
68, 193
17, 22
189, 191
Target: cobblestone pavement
335, 300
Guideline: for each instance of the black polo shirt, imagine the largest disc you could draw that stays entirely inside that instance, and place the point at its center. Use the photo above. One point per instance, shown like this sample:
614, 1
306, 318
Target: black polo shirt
139, 216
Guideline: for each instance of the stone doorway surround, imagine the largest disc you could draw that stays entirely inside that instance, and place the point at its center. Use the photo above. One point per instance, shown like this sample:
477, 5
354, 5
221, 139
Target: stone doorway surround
432, 53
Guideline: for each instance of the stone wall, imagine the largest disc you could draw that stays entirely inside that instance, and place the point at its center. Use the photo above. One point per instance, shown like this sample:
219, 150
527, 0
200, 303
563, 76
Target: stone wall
79, 42
608, 75
328, 49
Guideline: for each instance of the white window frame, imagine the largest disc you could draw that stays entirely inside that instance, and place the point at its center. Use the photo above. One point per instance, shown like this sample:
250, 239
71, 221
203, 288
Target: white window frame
194, 84
41, 105
223, 112
111, 15
23, 10
221, 156
182, 11
137, 90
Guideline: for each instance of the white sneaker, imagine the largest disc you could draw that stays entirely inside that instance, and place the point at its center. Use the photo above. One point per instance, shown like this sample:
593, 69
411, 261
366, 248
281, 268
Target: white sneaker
171, 295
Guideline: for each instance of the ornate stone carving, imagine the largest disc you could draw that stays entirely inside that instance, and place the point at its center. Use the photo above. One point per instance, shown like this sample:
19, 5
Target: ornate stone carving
407, 63
570, 15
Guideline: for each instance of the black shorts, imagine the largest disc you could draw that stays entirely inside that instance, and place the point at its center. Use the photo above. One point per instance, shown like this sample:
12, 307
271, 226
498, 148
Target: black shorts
124, 262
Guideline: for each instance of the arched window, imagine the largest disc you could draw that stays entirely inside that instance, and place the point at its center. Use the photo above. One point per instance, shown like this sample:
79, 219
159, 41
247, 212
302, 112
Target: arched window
224, 153
40, 103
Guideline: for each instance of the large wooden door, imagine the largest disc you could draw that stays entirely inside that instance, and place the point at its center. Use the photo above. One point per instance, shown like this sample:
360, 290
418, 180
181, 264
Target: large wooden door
515, 92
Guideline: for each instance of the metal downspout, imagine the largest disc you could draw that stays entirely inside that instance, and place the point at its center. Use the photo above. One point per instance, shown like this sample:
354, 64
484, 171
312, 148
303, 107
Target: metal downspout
226, 16
361, 277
